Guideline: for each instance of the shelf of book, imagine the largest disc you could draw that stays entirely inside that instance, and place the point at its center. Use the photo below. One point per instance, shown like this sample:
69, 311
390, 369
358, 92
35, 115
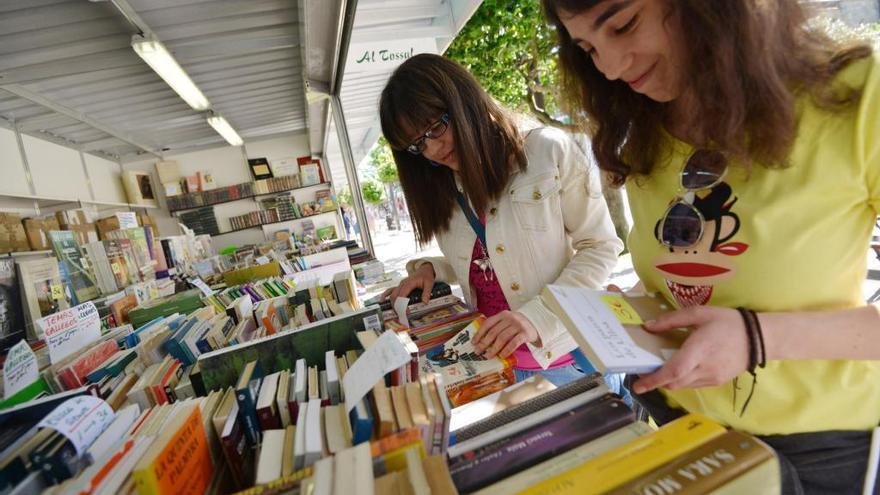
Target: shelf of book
76, 200
250, 196
279, 221
16, 254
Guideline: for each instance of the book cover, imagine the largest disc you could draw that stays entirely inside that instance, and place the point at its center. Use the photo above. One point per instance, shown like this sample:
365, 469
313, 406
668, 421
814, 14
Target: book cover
474, 470
42, 292
563, 462
11, 314
466, 375
138, 187
632, 459
705, 468
179, 461
246, 393
77, 273
607, 327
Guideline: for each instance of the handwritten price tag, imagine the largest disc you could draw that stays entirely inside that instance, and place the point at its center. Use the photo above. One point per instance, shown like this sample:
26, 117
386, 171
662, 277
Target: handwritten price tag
81, 419
70, 330
20, 368
198, 282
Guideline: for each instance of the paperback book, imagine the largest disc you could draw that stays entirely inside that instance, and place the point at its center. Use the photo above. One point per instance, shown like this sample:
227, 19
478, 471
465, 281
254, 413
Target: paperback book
11, 315
608, 327
467, 376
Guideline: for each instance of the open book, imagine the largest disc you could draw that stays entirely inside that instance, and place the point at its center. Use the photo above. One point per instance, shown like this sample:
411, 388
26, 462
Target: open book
608, 327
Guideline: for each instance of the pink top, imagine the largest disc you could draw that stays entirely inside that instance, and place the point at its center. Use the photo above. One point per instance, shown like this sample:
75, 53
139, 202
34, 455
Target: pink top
491, 301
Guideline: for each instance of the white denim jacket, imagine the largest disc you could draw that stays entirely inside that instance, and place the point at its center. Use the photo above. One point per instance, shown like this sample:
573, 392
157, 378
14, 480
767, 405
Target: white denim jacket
551, 226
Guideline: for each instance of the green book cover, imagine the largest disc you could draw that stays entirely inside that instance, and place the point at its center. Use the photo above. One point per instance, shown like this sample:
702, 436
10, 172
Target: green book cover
36, 389
221, 368
75, 270
184, 303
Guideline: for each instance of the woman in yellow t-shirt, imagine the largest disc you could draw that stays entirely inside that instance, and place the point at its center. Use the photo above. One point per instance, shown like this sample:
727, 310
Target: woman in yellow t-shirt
750, 148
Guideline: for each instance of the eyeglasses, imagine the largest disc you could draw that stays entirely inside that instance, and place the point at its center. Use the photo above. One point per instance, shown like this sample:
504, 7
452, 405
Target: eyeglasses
682, 226
436, 130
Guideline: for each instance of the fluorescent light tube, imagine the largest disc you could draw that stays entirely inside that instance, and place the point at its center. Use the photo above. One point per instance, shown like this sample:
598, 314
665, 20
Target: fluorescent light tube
160, 60
224, 129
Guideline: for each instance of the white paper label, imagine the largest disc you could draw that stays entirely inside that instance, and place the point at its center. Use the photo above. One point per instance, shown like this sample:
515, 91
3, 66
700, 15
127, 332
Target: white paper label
20, 368
198, 282
400, 306
262, 260
127, 219
70, 330
385, 356
81, 419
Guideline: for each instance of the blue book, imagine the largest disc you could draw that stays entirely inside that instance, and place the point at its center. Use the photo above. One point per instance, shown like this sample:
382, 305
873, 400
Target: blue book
246, 390
173, 346
361, 422
133, 339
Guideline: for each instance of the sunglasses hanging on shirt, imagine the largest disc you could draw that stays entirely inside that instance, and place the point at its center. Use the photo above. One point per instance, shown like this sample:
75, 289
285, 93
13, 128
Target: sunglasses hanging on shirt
683, 225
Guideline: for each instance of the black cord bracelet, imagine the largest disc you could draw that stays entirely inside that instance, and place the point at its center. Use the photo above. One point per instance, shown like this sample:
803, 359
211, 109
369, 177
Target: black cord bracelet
756, 351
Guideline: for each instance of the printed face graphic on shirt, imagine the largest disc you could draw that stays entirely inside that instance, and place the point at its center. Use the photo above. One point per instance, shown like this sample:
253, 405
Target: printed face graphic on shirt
692, 273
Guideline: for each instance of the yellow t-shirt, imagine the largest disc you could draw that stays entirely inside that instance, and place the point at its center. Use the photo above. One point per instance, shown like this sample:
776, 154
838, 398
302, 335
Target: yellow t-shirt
792, 239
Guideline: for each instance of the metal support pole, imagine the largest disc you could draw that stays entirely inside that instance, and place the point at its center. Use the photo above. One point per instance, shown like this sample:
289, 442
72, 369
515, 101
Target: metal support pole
351, 173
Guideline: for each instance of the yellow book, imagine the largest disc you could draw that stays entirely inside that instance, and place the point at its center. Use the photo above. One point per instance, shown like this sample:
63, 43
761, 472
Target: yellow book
633, 459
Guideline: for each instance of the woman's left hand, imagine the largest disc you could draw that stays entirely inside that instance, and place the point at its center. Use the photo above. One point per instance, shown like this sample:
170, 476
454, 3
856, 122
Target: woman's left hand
501, 334
716, 351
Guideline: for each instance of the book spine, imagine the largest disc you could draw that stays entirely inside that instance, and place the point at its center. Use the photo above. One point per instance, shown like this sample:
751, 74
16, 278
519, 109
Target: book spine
704, 469
267, 419
234, 449
477, 469
247, 412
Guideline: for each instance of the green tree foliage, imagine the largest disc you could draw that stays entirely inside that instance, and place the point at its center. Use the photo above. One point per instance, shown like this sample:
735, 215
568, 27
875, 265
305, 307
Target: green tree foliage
344, 196
509, 48
381, 158
373, 192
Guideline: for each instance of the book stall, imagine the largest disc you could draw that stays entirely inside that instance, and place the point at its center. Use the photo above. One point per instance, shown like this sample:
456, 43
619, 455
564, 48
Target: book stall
161, 367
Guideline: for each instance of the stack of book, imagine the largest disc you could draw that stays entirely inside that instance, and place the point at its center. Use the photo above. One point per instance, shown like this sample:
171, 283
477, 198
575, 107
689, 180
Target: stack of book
253, 219
435, 322
276, 184
201, 221
207, 198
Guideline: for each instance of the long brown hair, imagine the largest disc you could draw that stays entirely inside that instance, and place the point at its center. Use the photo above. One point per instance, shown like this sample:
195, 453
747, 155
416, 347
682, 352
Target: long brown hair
748, 60
487, 143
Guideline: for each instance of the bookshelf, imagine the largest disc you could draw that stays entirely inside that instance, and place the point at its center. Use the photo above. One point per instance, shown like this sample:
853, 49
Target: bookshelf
50, 201
249, 196
19, 254
279, 221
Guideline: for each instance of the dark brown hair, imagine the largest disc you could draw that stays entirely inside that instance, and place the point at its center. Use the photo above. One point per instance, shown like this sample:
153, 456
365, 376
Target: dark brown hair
487, 143
748, 60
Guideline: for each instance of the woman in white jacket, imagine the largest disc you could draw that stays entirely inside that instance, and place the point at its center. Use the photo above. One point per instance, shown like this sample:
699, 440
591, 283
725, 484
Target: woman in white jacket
512, 211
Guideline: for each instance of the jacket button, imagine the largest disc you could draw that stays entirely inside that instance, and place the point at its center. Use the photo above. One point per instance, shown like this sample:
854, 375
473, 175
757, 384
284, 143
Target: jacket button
514, 286
499, 248
493, 211
536, 195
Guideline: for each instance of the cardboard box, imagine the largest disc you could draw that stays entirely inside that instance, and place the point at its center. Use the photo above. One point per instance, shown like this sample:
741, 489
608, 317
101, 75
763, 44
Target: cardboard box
73, 217
84, 234
105, 225
144, 219
12, 235
37, 232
